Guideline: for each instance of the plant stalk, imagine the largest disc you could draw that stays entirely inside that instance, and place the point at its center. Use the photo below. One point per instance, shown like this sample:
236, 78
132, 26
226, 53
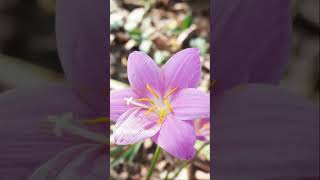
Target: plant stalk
154, 162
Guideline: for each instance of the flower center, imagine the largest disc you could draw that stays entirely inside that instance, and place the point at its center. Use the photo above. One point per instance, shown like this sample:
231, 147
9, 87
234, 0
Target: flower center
157, 104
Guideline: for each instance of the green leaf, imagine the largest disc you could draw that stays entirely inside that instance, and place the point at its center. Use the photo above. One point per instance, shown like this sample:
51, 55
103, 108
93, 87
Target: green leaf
186, 22
116, 150
135, 151
122, 157
129, 154
135, 34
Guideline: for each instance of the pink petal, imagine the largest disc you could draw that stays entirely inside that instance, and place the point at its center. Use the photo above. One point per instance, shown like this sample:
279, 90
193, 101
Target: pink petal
191, 104
251, 41
143, 71
271, 132
177, 138
82, 45
134, 126
23, 120
202, 127
183, 69
118, 104
85, 162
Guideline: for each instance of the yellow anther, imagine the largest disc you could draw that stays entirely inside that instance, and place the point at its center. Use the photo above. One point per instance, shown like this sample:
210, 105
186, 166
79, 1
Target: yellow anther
168, 104
150, 109
152, 91
206, 126
162, 113
170, 92
97, 120
197, 123
145, 99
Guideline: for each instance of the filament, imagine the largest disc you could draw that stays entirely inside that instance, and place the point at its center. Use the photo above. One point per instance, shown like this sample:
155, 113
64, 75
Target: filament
97, 121
168, 105
152, 91
131, 101
170, 92
149, 110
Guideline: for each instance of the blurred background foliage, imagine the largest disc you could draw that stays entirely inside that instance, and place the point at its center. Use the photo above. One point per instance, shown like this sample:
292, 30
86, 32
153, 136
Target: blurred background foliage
28, 57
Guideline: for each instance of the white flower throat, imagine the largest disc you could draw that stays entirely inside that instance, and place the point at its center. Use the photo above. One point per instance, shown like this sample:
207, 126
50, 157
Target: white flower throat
157, 104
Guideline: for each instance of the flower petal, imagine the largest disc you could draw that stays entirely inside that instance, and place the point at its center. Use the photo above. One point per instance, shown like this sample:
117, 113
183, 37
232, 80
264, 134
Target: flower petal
177, 138
143, 71
118, 103
191, 104
202, 127
251, 41
28, 135
78, 162
271, 132
81, 42
183, 69
134, 126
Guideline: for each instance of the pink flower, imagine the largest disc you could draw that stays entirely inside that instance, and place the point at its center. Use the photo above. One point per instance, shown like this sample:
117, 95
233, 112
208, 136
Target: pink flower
161, 103
202, 127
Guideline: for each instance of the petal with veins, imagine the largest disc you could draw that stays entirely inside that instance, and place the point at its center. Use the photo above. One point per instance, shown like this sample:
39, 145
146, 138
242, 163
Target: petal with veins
191, 104
143, 72
118, 104
182, 70
177, 138
134, 126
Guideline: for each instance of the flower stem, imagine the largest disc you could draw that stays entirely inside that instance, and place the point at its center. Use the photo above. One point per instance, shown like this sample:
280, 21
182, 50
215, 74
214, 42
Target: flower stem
153, 162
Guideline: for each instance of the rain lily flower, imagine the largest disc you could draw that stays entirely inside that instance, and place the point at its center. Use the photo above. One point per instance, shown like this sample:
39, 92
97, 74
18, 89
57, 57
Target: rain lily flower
202, 128
42, 139
161, 103
261, 131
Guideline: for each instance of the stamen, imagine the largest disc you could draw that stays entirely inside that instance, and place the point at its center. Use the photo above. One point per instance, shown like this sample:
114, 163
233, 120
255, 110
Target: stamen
206, 126
96, 121
131, 101
64, 124
170, 92
197, 125
149, 110
152, 91
168, 104
162, 112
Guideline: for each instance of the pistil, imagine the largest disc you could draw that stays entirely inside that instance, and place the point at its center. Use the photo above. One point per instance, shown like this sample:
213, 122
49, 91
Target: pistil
131, 101
62, 124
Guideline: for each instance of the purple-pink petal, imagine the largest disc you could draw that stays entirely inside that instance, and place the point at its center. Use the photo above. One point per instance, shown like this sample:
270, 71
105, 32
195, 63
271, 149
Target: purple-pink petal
182, 70
143, 71
118, 104
134, 126
191, 104
268, 130
202, 127
81, 42
177, 138
250, 40
84, 161
28, 137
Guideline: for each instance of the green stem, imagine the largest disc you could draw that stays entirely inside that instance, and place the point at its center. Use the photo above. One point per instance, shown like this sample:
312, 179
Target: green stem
153, 162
